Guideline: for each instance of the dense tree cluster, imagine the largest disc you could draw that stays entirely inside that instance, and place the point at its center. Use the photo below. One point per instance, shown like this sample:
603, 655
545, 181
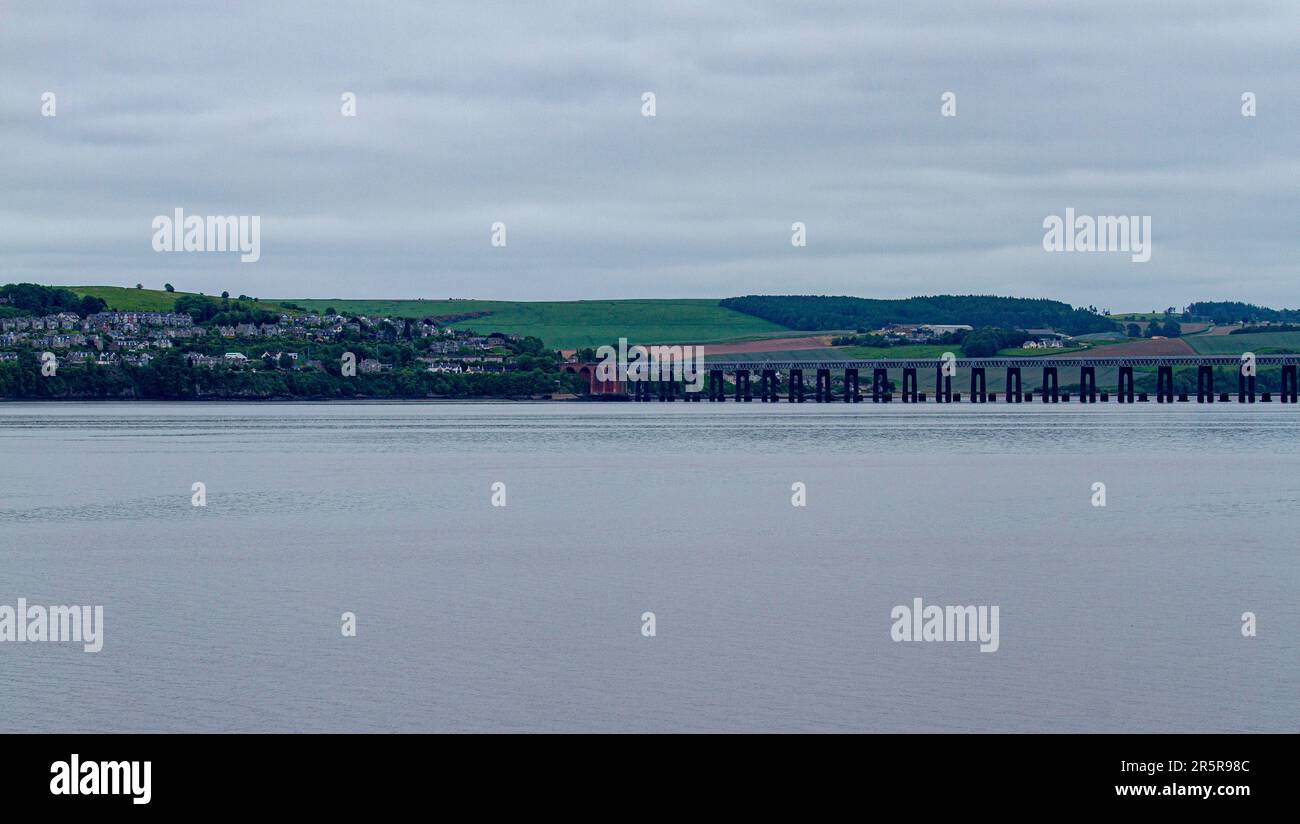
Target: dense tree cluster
1232, 311
34, 299
170, 377
822, 312
223, 312
987, 341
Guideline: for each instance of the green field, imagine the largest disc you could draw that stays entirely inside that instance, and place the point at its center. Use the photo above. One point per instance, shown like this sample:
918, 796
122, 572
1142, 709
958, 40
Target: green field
561, 324
839, 353
1138, 316
1264, 343
127, 299
919, 350
574, 324
1099, 337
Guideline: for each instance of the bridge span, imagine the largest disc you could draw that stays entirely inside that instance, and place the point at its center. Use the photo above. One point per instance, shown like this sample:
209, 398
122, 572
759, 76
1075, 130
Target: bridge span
789, 374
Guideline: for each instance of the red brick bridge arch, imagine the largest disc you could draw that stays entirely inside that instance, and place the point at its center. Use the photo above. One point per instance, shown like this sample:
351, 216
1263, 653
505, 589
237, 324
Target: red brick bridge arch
587, 371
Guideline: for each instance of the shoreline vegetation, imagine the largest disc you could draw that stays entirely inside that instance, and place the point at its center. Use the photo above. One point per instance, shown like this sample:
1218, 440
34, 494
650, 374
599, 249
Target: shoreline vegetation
289, 401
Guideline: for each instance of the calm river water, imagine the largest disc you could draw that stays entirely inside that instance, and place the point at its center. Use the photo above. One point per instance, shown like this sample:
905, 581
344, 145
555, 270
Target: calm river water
768, 616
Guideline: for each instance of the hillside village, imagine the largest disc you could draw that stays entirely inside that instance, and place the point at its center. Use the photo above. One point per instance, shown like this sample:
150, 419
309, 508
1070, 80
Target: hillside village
137, 338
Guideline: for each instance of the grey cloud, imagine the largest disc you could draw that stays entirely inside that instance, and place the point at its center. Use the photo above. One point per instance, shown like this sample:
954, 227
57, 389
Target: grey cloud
826, 113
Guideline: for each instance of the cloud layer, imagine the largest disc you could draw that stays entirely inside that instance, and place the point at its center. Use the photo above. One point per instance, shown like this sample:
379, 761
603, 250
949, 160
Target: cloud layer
530, 114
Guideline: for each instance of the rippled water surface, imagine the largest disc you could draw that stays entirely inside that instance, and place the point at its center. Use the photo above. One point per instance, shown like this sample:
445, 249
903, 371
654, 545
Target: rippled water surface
769, 617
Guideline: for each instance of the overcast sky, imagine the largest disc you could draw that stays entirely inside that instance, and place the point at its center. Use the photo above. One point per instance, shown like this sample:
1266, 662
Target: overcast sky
530, 114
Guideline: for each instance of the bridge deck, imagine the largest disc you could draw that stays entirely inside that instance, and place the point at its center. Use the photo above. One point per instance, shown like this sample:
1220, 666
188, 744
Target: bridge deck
995, 363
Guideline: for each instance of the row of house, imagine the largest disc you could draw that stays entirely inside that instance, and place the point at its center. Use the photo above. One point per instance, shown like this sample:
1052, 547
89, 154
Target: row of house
54, 323
101, 358
1044, 339
920, 332
239, 358
138, 319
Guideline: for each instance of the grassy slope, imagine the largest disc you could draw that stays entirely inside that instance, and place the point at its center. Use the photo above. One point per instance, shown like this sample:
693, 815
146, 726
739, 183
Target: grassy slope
561, 324
572, 324
126, 299
1137, 316
1261, 343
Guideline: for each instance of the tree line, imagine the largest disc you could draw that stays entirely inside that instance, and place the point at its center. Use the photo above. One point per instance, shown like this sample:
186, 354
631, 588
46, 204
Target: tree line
170, 377
815, 312
35, 299
1231, 311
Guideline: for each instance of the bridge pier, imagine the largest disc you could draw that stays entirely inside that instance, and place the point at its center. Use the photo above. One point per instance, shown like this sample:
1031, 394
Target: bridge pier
1125, 390
1164, 384
942, 386
851, 394
771, 389
1087, 384
824, 386
909, 385
1204, 383
1050, 391
978, 385
743, 390
717, 386
879, 384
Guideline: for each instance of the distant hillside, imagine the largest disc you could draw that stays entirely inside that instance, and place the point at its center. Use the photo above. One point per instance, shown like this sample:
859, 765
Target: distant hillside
1231, 311
126, 299
822, 312
561, 324
582, 323
574, 324
1267, 343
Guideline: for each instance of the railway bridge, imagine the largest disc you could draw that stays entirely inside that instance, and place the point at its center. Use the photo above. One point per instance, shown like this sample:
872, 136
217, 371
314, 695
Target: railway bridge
767, 379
